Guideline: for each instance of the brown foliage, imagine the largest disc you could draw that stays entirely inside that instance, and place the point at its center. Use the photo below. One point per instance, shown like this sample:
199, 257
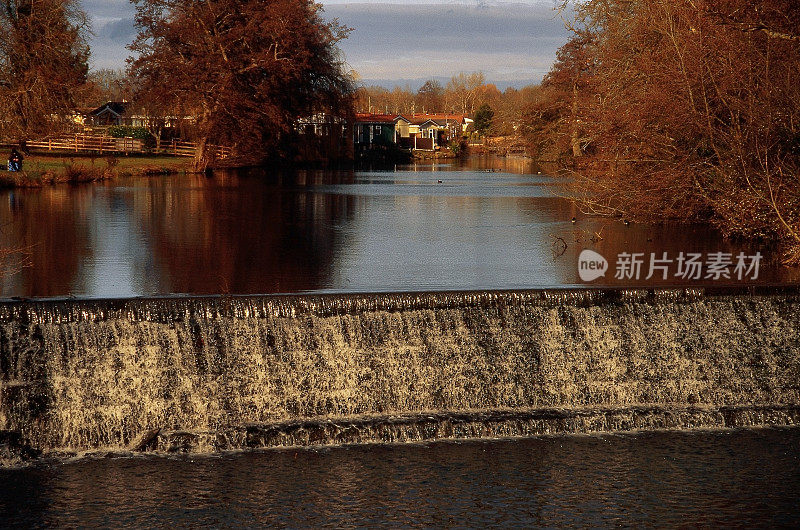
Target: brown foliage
464, 94
43, 62
685, 109
247, 68
430, 97
104, 85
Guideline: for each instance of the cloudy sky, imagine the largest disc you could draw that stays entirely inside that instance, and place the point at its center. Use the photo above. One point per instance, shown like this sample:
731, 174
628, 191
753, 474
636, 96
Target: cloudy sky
512, 43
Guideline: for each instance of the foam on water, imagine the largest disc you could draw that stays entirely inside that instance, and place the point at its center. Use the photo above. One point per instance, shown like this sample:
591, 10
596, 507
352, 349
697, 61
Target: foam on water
214, 373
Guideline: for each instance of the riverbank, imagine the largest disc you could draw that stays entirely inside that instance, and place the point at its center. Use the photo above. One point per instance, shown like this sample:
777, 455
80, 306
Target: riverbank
41, 170
223, 373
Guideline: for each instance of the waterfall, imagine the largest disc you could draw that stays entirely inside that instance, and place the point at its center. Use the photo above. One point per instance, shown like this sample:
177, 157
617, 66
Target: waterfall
232, 372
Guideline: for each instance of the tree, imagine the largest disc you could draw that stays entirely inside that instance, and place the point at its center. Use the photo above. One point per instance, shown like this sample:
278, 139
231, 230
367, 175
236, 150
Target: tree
558, 120
105, 85
372, 98
43, 62
462, 90
483, 119
430, 97
402, 101
509, 118
248, 68
684, 109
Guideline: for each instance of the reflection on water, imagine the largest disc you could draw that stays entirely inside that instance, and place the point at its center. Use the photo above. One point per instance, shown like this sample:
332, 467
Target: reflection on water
483, 223
742, 478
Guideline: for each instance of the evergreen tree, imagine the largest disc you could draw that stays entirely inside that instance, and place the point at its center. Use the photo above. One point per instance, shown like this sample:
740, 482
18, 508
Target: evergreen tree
483, 119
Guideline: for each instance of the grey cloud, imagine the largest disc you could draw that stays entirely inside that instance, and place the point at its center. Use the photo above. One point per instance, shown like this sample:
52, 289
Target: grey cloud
108, 8
109, 42
508, 42
505, 41
112, 31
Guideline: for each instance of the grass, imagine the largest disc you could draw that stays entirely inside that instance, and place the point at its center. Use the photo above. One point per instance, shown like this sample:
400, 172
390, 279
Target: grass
46, 169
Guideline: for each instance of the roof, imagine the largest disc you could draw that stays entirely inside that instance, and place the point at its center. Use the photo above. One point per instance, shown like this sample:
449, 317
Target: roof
375, 118
117, 107
438, 119
416, 119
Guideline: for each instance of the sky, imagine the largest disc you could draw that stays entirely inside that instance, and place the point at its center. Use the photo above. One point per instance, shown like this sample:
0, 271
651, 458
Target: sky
514, 44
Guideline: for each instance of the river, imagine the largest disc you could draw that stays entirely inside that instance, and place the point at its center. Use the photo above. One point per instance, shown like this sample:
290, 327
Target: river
484, 223
746, 478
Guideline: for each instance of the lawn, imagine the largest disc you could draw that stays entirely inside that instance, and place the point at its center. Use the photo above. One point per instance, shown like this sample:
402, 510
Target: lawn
41, 169
38, 164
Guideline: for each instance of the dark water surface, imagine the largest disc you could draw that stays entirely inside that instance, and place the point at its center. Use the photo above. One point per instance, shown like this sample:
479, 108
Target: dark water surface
739, 478
419, 227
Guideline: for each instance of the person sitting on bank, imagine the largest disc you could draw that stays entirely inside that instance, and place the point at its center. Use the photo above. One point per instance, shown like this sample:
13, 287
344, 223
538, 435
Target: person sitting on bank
15, 160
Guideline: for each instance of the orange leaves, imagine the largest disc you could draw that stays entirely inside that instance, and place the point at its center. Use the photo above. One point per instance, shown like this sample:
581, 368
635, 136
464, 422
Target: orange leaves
253, 66
686, 110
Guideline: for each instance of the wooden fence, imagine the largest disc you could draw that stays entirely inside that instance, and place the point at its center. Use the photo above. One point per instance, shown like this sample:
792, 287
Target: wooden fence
105, 144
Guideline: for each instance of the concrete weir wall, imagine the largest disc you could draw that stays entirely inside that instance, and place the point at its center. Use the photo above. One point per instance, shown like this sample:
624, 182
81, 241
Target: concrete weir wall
217, 373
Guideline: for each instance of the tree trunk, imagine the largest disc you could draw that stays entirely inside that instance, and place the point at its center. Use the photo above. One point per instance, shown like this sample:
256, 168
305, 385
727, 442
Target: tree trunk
576, 140
202, 156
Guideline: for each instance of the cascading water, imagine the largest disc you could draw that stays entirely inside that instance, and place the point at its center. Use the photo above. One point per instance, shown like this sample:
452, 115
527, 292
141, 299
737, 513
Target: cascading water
214, 373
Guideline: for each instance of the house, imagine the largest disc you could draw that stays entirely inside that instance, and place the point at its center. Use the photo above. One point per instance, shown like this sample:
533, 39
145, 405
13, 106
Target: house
372, 130
431, 131
402, 127
419, 131
127, 114
324, 138
110, 113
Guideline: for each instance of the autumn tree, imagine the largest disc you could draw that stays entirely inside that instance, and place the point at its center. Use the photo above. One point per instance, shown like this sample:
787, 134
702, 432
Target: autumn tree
510, 110
103, 85
402, 100
248, 68
557, 120
430, 97
685, 109
43, 62
462, 91
372, 98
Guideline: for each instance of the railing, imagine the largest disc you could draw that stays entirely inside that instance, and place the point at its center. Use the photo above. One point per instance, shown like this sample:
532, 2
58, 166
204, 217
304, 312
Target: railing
106, 144
81, 142
180, 148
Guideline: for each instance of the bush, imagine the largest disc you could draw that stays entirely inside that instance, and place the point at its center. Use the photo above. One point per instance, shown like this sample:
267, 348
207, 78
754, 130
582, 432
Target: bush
139, 133
458, 146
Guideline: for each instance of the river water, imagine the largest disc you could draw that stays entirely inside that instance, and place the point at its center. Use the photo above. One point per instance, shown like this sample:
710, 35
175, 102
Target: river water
741, 478
480, 224
485, 223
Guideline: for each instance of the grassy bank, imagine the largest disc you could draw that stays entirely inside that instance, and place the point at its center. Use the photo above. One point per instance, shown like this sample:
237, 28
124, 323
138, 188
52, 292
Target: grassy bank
42, 170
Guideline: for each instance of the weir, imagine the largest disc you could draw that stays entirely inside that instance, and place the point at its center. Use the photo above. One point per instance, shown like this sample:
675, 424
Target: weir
207, 374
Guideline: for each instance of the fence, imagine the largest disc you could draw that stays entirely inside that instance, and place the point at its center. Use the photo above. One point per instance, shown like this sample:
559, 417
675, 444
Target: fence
106, 144
180, 148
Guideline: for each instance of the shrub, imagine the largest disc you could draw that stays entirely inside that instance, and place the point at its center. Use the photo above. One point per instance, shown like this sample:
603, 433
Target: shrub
139, 133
